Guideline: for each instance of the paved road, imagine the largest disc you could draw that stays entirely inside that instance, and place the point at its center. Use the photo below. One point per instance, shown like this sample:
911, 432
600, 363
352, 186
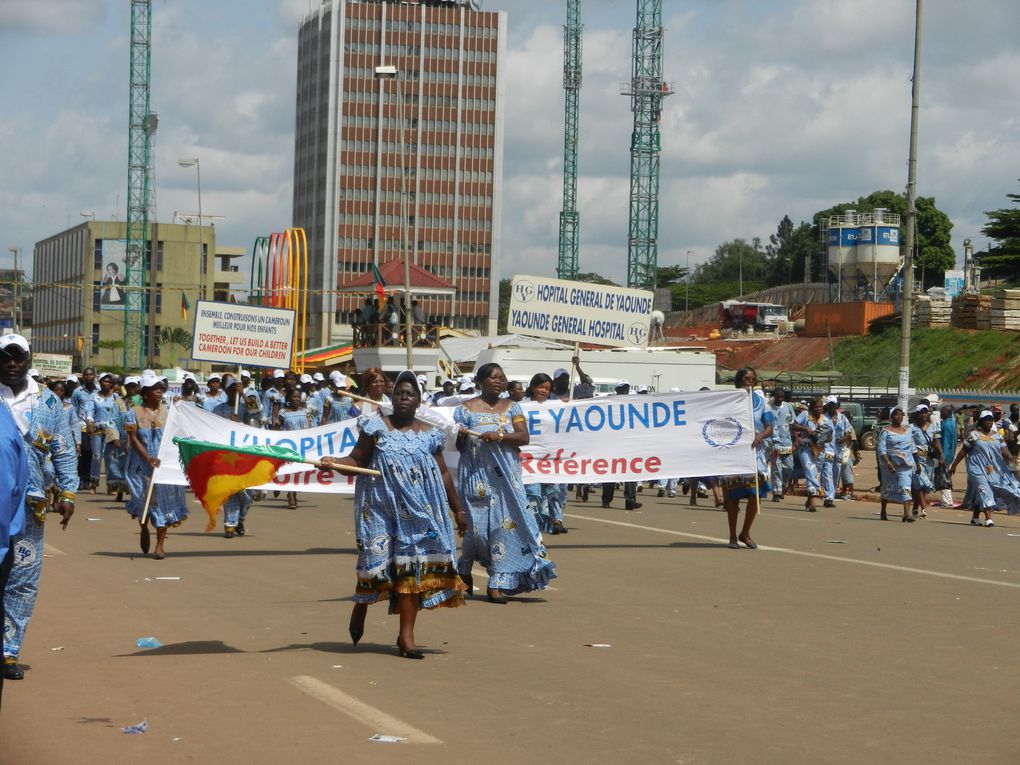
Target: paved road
897, 644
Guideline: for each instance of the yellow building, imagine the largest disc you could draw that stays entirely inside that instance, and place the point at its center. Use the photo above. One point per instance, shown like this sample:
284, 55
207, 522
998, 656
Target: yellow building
80, 285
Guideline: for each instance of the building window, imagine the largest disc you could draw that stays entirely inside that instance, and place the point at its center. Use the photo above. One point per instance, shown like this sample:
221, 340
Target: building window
95, 338
159, 298
97, 257
97, 295
159, 256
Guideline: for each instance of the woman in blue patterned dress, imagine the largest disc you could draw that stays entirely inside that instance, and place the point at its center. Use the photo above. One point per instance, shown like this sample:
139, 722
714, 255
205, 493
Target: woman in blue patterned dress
546, 499
403, 519
337, 405
754, 486
990, 481
927, 451
144, 425
811, 427
895, 450
106, 443
503, 534
294, 416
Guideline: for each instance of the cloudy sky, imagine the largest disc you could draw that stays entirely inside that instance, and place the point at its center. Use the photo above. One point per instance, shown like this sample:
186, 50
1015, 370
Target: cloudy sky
782, 107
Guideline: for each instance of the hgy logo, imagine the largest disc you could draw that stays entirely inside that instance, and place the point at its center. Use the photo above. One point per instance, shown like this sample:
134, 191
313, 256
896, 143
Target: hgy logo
637, 333
524, 291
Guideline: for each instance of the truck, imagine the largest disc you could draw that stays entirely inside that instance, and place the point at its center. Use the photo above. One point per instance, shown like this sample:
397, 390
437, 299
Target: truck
864, 424
757, 317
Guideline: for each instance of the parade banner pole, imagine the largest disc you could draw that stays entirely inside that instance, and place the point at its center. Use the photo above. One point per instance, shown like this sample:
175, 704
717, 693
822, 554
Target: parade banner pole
237, 398
367, 400
574, 366
148, 500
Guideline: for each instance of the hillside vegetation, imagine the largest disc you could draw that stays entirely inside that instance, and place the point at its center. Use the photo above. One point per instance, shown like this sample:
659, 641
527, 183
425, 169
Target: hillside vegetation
939, 358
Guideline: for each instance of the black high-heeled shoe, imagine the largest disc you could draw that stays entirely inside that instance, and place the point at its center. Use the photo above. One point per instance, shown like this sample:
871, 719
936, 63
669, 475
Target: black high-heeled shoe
500, 599
414, 653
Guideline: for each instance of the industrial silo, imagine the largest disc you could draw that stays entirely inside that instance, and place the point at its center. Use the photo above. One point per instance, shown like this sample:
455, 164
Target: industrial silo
877, 251
842, 251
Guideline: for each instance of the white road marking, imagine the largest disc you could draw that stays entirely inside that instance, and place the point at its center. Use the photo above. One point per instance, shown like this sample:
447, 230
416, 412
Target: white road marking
803, 553
49, 549
373, 718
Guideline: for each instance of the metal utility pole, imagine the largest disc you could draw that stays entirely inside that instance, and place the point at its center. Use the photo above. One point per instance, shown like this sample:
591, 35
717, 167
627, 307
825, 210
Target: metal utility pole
646, 91
141, 126
570, 222
910, 220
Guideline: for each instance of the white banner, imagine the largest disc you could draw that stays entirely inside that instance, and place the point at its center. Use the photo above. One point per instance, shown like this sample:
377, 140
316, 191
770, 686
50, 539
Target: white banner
579, 312
52, 364
242, 335
616, 438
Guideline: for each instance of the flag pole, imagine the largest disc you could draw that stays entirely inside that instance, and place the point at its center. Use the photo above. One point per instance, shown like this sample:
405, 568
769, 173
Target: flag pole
148, 500
240, 394
356, 397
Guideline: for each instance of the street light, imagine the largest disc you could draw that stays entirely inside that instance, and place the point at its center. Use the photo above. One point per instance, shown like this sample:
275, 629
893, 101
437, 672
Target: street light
687, 286
16, 251
90, 214
193, 161
389, 72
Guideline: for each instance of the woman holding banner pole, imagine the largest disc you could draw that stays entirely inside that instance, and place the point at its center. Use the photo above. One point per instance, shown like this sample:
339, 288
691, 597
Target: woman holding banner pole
503, 533
404, 519
164, 504
755, 486
546, 499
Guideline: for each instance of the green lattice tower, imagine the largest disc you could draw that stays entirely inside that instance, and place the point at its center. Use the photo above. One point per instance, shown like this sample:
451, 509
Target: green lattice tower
141, 125
570, 222
646, 91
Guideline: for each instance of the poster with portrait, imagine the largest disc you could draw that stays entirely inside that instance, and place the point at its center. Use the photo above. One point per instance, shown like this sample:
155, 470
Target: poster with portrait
113, 278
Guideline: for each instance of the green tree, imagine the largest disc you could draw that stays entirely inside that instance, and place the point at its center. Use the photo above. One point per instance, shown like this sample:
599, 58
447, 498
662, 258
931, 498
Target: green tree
732, 260
174, 336
593, 278
504, 305
1004, 227
787, 251
671, 275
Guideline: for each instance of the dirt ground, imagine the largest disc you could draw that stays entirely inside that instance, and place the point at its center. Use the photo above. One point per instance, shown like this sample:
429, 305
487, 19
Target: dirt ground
842, 639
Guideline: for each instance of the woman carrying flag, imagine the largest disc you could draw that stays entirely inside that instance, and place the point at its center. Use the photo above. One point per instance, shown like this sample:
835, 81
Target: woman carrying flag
403, 518
166, 504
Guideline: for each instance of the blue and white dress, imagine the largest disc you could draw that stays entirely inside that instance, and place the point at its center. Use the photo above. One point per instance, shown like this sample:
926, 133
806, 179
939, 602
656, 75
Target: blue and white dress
742, 486
108, 416
402, 519
990, 480
236, 506
340, 408
811, 462
168, 506
547, 500
899, 448
924, 454
503, 533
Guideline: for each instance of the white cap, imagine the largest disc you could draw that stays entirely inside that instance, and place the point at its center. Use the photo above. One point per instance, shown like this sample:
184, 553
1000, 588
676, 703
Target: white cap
674, 390
933, 398
560, 372
336, 377
101, 375
132, 379
985, 413
188, 376
13, 339
33, 372
244, 373
306, 378
149, 379
278, 374
208, 380
71, 378
622, 383
922, 408
831, 400
466, 385
642, 389
448, 380
319, 377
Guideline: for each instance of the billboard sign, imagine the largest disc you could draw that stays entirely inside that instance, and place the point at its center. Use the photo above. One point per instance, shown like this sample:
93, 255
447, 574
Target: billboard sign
579, 312
52, 364
242, 335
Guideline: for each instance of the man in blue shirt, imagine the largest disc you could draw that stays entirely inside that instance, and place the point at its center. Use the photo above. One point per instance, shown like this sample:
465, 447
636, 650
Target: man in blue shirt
13, 481
950, 439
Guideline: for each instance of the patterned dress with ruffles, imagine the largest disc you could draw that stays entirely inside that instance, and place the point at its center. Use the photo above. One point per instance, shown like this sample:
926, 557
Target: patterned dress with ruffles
403, 523
168, 506
503, 533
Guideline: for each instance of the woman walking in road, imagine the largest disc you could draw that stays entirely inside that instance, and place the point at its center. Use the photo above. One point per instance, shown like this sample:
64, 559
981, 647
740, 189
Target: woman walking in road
927, 451
812, 428
502, 534
404, 518
895, 451
990, 482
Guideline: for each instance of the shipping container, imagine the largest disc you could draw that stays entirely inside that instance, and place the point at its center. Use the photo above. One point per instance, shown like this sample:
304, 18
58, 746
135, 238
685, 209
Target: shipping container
837, 319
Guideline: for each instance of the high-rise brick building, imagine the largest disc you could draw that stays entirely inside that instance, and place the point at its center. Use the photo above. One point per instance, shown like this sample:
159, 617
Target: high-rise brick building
434, 133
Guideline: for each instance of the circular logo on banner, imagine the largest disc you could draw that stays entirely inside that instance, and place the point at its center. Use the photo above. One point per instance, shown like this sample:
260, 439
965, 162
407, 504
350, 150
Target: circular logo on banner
721, 434
25, 553
524, 290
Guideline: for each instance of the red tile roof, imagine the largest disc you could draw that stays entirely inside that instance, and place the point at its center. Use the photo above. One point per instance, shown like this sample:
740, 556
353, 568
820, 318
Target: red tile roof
393, 274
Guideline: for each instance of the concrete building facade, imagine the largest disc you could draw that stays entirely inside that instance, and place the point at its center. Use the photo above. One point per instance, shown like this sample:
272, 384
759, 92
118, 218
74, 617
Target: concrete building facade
421, 150
79, 289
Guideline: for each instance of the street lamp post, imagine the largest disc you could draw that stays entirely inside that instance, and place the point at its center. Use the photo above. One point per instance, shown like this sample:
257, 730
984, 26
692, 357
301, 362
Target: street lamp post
16, 251
193, 161
687, 285
390, 72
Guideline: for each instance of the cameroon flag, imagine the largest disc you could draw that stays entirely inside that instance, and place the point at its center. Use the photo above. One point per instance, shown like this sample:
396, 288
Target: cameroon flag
185, 305
380, 288
217, 471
